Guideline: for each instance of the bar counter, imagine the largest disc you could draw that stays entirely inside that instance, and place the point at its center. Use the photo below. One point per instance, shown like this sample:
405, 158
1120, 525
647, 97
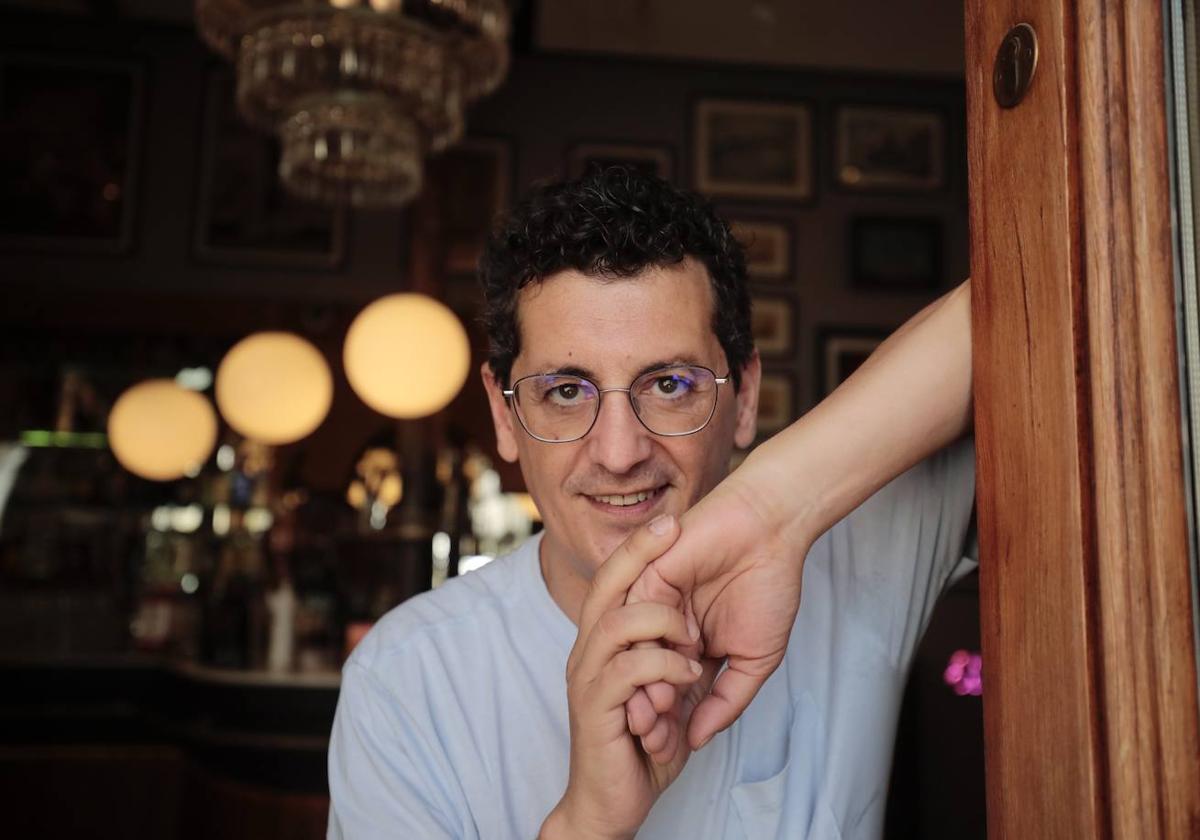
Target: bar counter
137, 746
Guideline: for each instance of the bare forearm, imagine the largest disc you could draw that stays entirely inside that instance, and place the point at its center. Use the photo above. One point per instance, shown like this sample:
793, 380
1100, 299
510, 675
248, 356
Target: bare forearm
559, 826
911, 398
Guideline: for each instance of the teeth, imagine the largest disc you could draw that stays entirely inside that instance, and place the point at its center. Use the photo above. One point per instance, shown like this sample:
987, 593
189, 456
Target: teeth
622, 501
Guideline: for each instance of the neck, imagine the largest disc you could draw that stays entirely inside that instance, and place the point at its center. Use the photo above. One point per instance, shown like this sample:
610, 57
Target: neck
564, 582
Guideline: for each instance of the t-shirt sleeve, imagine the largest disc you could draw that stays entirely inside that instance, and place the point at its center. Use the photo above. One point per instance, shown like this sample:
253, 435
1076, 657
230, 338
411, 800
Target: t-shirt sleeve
892, 558
383, 768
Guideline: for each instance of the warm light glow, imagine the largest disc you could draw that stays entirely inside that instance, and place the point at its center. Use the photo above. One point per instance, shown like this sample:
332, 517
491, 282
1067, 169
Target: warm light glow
407, 355
187, 519
274, 387
258, 520
525, 502
161, 431
221, 520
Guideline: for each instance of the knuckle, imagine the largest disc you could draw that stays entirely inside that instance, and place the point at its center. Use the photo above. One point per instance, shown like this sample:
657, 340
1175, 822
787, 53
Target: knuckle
624, 665
667, 617
609, 625
662, 619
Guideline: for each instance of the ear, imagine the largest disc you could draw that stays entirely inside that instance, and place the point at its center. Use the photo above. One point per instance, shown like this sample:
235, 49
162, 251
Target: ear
502, 416
746, 425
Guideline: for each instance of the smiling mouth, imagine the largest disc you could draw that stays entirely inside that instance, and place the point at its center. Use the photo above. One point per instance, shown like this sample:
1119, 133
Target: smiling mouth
620, 500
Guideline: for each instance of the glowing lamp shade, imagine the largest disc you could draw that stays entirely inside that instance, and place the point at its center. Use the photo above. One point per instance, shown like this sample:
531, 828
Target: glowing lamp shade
407, 355
162, 431
274, 387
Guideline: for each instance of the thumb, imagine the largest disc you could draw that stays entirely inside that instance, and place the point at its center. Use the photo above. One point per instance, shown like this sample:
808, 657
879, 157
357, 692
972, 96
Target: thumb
713, 535
729, 697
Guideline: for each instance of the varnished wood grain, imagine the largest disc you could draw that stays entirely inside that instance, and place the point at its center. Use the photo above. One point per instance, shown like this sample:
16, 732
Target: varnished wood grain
1090, 709
1040, 704
1145, 622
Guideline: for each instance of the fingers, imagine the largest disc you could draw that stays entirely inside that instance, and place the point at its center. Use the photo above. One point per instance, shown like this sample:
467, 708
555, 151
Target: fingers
612, 580
729, 697
632, 668
662, 696
689, 699
655, 741
650, 586
651, 701
640, 713
667, 753
619, 628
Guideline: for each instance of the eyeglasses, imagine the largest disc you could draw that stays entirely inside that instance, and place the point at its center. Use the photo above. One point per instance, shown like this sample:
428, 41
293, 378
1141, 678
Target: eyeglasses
670, 401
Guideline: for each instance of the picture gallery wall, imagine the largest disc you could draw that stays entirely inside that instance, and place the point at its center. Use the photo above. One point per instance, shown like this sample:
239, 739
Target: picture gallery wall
848, 192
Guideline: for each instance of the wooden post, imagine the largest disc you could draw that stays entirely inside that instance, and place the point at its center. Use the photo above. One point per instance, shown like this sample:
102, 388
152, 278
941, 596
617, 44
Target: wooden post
1090, 706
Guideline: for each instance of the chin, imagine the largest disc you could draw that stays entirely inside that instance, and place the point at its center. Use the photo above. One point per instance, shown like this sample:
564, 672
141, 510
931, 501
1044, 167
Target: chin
602, 548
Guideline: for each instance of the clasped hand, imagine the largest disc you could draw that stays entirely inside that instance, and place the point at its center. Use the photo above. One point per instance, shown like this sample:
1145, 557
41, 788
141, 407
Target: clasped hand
737, 568
613, 783
661, 616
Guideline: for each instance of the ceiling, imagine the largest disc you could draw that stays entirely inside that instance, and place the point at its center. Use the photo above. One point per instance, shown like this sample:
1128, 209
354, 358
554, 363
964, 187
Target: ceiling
922, 37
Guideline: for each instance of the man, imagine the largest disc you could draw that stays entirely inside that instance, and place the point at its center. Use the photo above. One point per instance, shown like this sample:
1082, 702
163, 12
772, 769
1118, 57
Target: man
621, 376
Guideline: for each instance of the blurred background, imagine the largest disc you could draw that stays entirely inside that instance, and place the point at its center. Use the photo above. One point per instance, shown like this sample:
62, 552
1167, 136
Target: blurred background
240, 416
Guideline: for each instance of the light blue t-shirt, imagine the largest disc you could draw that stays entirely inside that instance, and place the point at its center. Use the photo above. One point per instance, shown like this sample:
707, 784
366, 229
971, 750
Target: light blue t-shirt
452, 719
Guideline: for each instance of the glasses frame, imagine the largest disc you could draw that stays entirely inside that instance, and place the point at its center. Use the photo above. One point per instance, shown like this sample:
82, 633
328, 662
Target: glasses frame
510, 394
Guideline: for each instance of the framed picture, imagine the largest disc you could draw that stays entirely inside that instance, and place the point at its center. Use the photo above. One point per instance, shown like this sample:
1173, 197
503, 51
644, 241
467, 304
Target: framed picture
773, 323
650, 159
840, 352
889, 149
244, 216
476, 179
71, 132
900, 255
768, 248
753, 149
776, 402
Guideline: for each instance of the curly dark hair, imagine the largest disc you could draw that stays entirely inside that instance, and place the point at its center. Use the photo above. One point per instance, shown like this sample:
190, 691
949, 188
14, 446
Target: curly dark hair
613, 222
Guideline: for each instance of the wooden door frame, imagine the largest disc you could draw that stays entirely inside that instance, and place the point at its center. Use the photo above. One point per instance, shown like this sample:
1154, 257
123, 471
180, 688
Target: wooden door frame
1090, 708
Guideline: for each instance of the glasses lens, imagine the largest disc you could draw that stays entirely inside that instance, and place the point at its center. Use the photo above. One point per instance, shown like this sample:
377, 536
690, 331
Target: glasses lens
675, 400
556, 408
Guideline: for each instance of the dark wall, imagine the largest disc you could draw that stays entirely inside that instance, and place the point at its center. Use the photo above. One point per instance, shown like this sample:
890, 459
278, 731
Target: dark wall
548, 104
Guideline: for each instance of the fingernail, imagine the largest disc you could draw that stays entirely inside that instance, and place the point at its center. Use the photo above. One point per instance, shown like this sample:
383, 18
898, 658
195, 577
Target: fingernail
693, 628
696, 667
704, 743
660, 524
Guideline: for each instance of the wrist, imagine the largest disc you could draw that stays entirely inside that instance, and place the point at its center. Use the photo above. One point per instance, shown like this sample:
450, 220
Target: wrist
564, 824
785, 506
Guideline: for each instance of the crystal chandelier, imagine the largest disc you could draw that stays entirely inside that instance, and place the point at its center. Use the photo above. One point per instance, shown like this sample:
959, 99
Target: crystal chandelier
358, 90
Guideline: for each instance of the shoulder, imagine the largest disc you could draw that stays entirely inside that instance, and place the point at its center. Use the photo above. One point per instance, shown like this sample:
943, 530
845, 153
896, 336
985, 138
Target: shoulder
464, 605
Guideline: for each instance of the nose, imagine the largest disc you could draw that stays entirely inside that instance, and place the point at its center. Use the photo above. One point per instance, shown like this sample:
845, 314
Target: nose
618, 441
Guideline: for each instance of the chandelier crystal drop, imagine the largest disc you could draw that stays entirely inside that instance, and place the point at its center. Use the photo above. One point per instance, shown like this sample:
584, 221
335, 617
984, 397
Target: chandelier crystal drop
358, 90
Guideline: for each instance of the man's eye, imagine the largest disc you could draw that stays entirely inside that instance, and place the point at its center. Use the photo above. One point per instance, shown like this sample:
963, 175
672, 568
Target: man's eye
669, 386
564, 394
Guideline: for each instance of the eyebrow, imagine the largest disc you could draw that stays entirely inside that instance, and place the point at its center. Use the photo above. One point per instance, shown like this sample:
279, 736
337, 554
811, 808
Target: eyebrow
584, 373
